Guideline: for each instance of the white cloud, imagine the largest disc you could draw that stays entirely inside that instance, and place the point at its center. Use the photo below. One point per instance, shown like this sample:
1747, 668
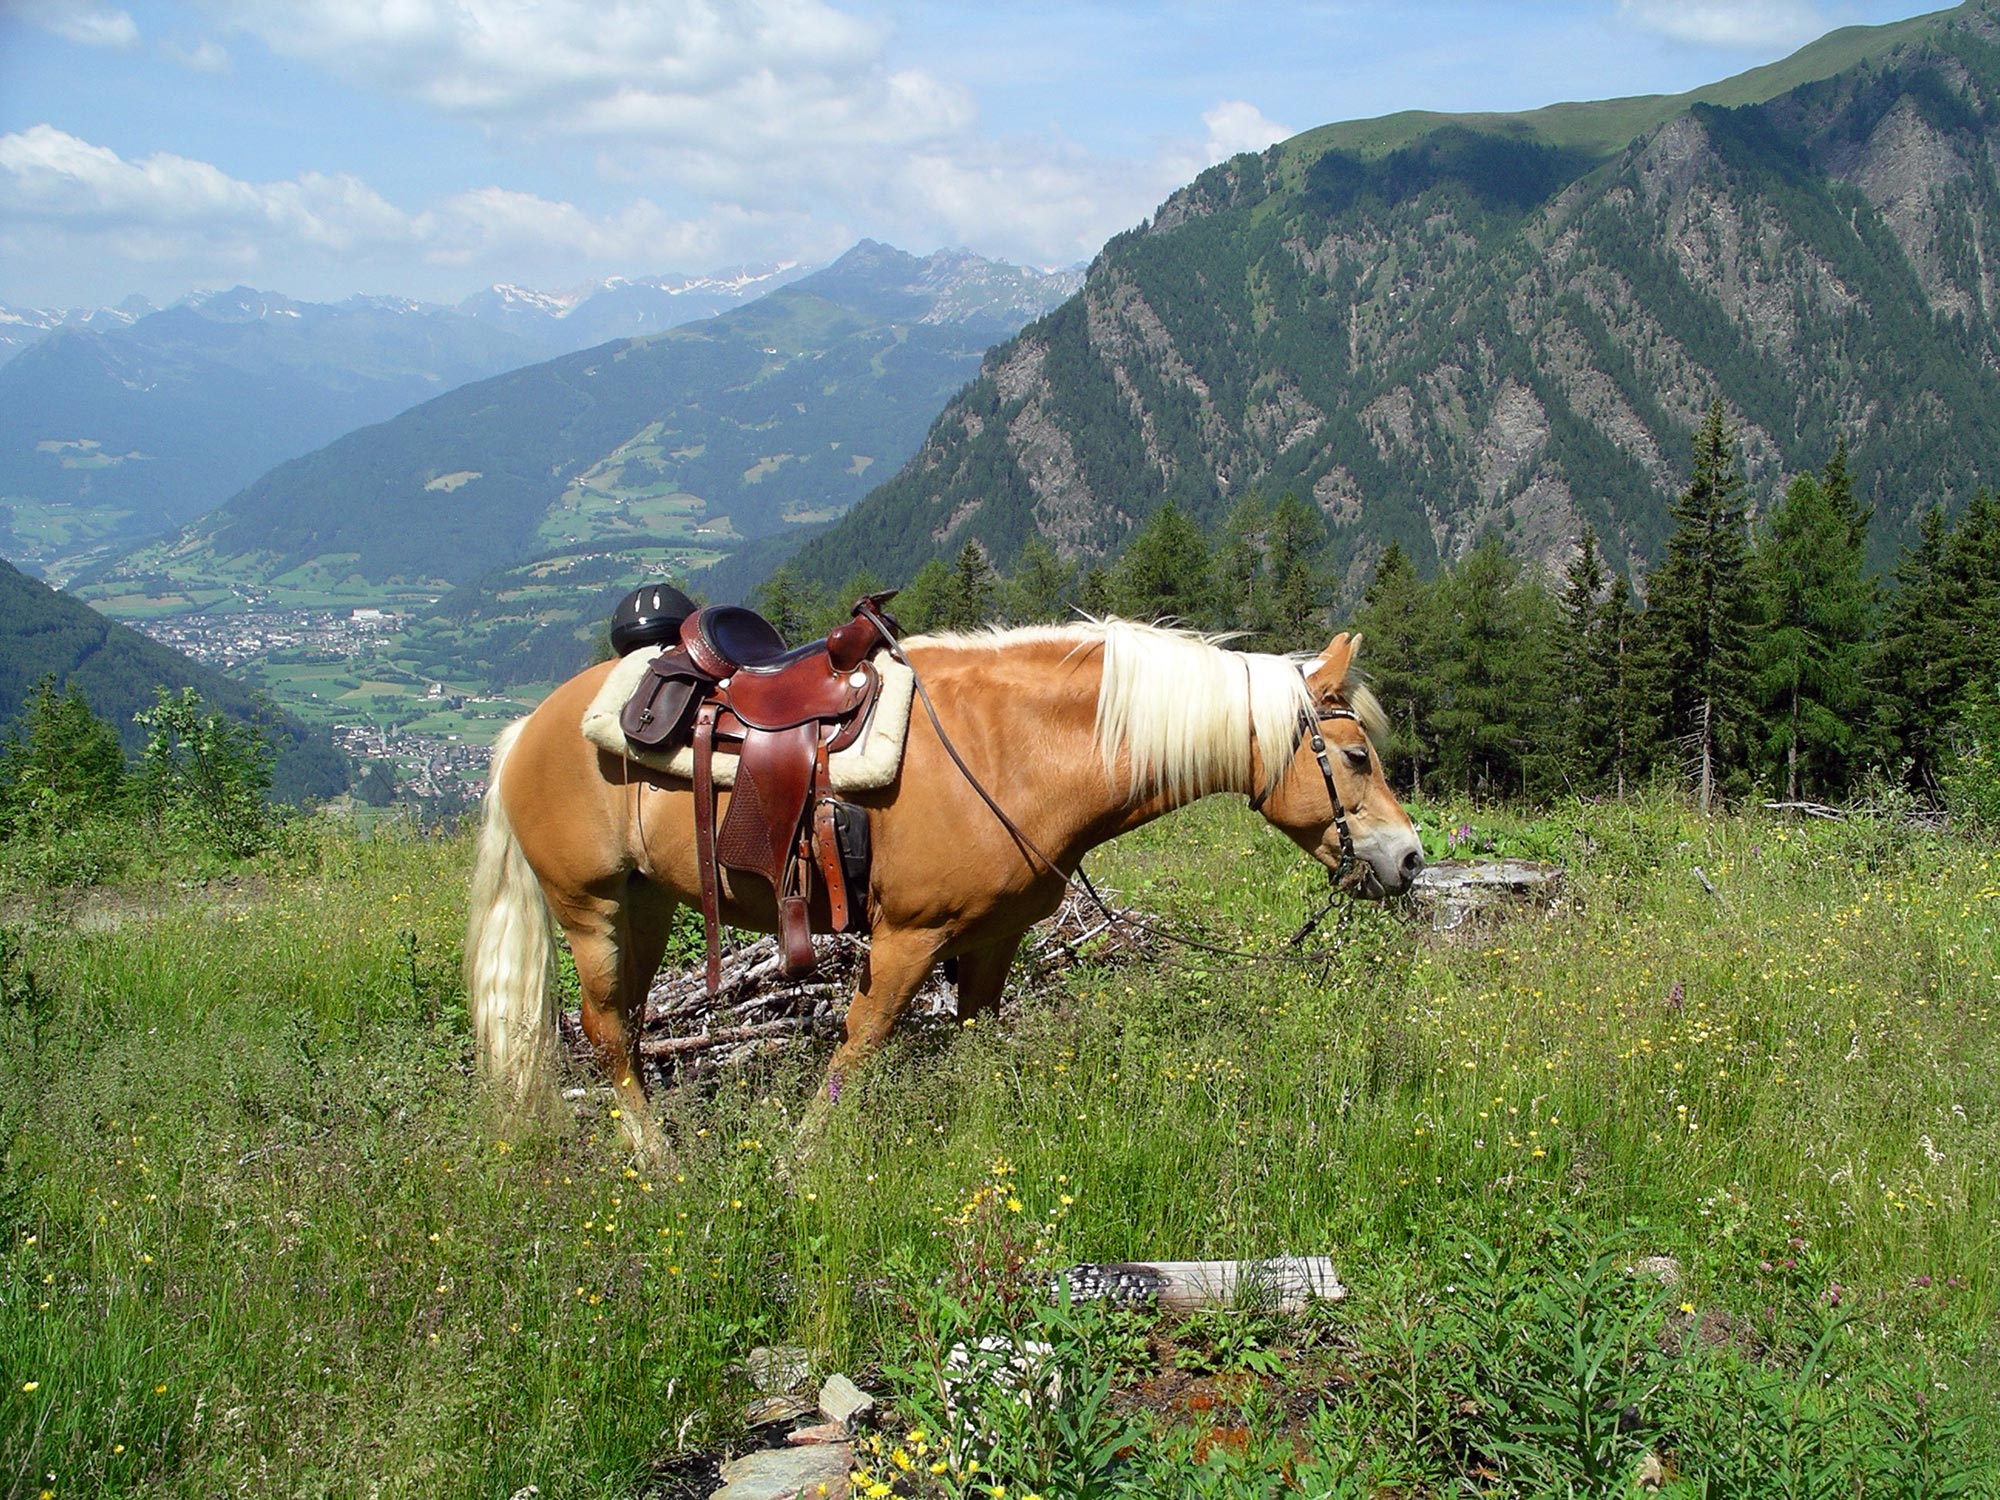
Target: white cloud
738, 81
1728, 23
203, 56
175, 222
89, 25
1235, 126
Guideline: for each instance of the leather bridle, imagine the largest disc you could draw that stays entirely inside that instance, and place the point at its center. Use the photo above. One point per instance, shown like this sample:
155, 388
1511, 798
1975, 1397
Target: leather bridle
1309, 731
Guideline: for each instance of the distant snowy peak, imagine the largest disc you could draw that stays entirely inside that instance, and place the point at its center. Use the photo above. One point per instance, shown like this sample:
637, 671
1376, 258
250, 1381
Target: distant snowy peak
623, 306
506, 298
22, 326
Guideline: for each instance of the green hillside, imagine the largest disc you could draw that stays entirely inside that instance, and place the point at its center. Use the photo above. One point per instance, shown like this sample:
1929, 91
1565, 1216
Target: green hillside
110, 436
778, 413
1431, 326
47, 634
1599, 128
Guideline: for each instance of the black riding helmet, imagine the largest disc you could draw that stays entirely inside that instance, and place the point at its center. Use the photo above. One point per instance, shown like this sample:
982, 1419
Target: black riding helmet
649, 616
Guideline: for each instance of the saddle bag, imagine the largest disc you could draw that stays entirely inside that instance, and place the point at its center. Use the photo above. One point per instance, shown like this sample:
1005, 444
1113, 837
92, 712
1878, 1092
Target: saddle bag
841, 847
661, 709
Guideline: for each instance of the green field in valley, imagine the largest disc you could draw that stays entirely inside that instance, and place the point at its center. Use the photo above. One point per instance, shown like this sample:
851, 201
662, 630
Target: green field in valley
260, 1231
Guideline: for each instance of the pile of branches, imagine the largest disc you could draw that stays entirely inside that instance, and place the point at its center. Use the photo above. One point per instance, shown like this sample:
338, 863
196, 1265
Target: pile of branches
756, 1010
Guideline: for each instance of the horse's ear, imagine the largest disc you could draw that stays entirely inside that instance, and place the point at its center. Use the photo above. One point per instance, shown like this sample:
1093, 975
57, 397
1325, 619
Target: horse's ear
1334, 662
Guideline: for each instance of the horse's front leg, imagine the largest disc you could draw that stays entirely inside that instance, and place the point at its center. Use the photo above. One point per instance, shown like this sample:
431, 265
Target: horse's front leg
898, 962
982, 975
617, 943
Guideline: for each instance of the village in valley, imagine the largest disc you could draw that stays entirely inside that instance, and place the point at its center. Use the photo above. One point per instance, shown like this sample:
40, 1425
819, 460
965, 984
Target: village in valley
341, 668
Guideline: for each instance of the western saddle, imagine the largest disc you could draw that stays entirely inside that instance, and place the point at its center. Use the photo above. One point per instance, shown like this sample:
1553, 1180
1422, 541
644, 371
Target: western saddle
731, 684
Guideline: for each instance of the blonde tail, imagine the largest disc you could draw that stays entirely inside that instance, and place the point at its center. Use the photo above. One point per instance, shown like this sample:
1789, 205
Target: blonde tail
509, 957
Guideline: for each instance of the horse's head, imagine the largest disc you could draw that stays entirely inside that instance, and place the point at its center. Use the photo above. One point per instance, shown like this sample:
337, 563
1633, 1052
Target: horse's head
1359, 832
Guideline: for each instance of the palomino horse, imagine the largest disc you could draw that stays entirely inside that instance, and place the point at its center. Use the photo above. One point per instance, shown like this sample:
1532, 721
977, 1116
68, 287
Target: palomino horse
1079, 732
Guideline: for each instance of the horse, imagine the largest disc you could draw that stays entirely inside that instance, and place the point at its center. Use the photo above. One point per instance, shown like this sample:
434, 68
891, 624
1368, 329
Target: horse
1078, 732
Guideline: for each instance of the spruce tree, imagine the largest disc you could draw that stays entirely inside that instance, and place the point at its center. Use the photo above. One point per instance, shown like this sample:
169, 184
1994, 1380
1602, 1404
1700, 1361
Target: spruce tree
1582, 707
1492, 716
1093, 593
792, 603
1166, 573
921, 604
1698, 612
1293, 614
1399, 620
1619, 667
1816, 610
968, 598
1042, 586
1241, 577
1940, 635
59, 764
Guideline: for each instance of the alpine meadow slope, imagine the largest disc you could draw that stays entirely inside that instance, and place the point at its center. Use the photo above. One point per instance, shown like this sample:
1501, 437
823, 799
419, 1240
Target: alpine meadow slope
1430, 326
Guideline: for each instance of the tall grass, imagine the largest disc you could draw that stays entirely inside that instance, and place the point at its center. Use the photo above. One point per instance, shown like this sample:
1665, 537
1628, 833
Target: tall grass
260, 1234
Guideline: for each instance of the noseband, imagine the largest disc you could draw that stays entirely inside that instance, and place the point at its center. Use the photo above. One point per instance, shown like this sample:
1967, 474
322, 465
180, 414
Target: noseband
1309, 723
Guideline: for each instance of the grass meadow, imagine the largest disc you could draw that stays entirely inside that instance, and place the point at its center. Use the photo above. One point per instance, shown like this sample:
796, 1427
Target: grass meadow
260, 1233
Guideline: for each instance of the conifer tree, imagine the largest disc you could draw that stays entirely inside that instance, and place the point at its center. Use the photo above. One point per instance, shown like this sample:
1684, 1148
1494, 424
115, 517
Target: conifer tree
920, 606
1093, 593
1042, 585
1398, 619
1816, 609
60, 763
1166, 572
1699, 603
790, 602
1627, 721
840, 604
1240, 573
1582, 708
968, 597
1292, 612
1909, 674
1492, 715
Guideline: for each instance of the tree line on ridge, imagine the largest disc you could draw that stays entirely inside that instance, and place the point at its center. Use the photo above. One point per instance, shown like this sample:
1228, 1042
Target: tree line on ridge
1760, 660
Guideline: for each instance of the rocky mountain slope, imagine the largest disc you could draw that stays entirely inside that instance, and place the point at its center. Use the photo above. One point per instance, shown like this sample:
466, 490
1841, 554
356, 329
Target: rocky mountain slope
1431, 325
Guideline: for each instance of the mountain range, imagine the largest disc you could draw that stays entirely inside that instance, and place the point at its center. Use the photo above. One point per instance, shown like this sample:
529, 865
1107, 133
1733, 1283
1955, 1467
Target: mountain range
502, 511
1434, 325
118, 423
736, 426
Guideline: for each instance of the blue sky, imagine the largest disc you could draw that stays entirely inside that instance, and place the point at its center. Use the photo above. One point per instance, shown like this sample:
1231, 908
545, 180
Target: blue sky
427, 148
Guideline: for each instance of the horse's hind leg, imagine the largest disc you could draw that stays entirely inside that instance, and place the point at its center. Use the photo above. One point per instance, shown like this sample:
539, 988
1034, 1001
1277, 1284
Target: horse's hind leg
617, 942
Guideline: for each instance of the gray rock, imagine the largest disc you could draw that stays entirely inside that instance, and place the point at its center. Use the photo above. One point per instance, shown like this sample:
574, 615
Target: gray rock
824, 1432
776, 1371
841, 1400
768, 1409
785, 1473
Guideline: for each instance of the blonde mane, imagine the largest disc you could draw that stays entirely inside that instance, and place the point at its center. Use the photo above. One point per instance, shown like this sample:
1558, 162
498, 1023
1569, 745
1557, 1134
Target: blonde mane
1184, 711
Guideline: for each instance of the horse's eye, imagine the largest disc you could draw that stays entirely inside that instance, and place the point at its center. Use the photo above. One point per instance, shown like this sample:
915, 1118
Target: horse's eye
1357, 756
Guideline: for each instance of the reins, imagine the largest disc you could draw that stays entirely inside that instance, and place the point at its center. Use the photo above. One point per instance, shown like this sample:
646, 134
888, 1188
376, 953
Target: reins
1081, 881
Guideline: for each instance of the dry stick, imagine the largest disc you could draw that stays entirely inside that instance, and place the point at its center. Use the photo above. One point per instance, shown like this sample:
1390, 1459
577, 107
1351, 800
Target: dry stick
1810, 809
674, 1046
